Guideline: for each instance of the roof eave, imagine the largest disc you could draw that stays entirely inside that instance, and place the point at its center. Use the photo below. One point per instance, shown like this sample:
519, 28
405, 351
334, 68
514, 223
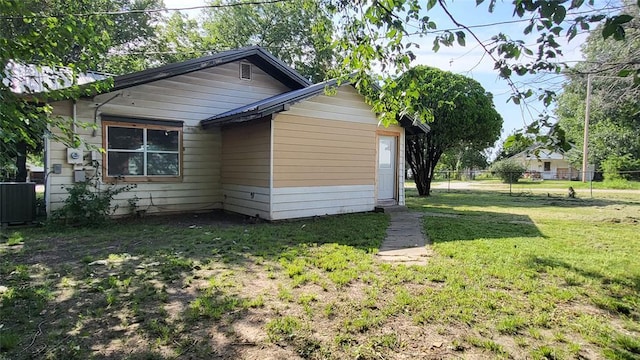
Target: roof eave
414, 126
244, 117
280, 103
261, 58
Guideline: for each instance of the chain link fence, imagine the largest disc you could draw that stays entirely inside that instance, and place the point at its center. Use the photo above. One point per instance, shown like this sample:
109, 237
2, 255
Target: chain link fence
557, 183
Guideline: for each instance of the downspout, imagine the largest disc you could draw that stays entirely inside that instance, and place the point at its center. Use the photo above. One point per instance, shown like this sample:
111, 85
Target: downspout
271, 135
47, 172
95, 113
74, 115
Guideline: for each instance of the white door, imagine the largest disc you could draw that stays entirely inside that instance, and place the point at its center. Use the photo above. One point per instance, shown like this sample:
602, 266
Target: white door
386, 167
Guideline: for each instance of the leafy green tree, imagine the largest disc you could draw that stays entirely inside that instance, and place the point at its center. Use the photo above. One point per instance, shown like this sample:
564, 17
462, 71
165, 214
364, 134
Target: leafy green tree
383, 33
133, 35
179, 38
514, 144
175, 39
462, 160
62, 39
617, 167
461, 113
299, 32
27, 36
614, 129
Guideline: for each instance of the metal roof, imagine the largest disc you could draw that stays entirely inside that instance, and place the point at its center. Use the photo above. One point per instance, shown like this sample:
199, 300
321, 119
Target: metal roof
282, 102
412, 125
254, 54
267, 106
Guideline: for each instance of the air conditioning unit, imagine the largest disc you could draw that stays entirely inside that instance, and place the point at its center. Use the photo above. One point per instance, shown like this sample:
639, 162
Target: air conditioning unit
17, 203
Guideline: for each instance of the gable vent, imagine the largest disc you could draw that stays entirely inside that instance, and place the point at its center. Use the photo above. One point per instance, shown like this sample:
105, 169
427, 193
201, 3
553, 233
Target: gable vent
245, 71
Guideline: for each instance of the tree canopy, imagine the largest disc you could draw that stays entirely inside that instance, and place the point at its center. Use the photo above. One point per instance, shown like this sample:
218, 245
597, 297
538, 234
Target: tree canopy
81, 35
55, 40
462, 114
28, 38
514, 144
614, 129
384, 34
299, 32
460, 159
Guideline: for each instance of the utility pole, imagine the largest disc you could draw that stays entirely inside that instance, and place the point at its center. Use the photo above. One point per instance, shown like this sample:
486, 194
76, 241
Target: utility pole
585, 144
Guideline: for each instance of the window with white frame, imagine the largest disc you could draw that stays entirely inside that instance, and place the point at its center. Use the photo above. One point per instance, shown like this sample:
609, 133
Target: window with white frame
142, 150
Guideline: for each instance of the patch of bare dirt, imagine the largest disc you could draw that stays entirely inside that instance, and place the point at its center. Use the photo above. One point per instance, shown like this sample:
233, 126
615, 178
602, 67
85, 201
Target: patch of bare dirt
135, 322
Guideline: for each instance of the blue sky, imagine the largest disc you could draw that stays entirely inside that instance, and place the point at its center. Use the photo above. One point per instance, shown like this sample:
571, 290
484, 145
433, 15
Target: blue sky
471, 61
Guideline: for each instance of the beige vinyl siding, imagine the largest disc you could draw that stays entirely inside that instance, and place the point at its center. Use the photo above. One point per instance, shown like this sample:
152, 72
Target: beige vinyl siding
189, 98
57, 153
345, 105
62, 108
246, 168
245, 154
199, 190
192, 97
320, 152
324, 157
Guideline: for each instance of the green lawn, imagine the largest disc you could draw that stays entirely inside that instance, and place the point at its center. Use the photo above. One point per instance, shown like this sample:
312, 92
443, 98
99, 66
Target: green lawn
512, 277
550, 184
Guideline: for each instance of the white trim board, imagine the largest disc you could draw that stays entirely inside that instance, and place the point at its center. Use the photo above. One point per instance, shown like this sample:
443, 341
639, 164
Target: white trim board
297, 202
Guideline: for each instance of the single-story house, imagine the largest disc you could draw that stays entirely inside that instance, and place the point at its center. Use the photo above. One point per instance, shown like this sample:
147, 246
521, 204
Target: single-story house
238, 130
547, 165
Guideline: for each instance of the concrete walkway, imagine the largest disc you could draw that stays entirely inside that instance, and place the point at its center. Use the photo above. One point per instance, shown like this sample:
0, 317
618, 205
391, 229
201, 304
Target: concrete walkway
405, 241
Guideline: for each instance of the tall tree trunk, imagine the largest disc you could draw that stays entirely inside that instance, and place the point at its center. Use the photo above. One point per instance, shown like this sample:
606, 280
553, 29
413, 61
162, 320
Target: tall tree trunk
422, 155
433, 153
21, 161
416, 158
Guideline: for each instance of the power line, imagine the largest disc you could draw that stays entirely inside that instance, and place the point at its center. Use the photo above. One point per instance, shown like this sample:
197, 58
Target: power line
516, 21
264, 2
145, 11
153, 52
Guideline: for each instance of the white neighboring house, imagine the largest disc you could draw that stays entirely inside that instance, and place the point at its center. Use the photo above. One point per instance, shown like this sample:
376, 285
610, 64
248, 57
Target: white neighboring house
548, 165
